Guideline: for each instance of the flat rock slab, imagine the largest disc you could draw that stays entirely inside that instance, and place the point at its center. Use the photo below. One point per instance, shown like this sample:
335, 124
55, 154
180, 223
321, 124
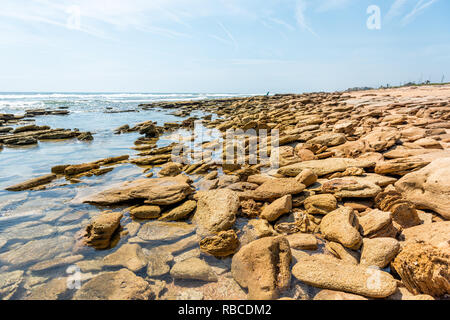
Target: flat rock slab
119, 285
323, 272
159, 191
325, 166
164, 231
193, 269
35, 182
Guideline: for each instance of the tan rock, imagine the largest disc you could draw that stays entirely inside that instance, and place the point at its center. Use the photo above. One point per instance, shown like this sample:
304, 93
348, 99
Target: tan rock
374, 221
164, 231
302, 241
307, 177
80, 168
436, 234
320, 204
277, 208
429, 188
350, 188
329, 139
324, 166
224, 244
337, 295
181, 212
424, 268
146, 212
216, 211
342, 253
160, 191
263, 266
379, 252
170, 169
118, 285
328, 273
193, 269
129, 256
277, 188
341, 226
39, 181
101, 229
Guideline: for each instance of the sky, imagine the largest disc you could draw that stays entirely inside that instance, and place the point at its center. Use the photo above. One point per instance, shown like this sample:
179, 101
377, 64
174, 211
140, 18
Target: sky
221, 46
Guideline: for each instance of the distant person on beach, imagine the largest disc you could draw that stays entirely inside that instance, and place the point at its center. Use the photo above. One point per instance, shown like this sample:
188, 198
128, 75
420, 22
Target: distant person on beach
267, 94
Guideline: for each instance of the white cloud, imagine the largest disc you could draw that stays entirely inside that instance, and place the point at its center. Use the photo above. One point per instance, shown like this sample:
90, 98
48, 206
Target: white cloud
301, 17
396, 9
419, 8
327, 5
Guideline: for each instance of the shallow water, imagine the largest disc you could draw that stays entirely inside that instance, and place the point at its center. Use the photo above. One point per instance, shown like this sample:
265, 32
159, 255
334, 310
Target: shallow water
38, 226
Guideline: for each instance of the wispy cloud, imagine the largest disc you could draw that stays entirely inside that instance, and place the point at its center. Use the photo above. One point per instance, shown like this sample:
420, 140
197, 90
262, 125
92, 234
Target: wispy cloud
396, 8
229, 35
419, 8
326, 5
301, 17
282, 23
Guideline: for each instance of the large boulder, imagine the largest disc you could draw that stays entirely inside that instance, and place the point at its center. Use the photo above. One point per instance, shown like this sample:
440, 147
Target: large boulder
263, 266
329, 273
429, 187
118, 285
160, 191
424, 268
216, 211
341, 225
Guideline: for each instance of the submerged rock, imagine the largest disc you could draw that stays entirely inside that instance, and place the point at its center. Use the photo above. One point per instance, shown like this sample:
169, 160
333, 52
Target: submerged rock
193, 269
9, 283
165, 231
129, 256
118, 285
39, 181
263, 266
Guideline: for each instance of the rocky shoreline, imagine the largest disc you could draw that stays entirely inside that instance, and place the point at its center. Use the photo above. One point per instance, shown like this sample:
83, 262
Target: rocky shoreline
358, 209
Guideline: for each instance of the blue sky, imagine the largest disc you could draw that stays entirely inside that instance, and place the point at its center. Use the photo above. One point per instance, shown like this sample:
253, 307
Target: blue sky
243, 46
